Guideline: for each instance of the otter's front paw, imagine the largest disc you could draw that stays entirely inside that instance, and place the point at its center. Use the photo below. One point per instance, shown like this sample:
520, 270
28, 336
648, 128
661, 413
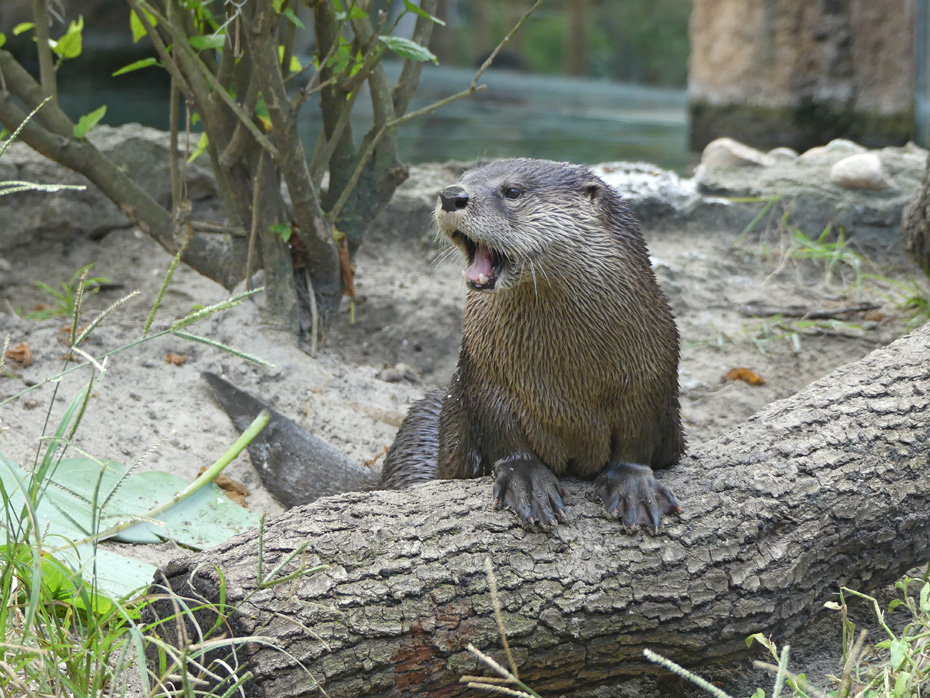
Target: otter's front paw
529, 489
631, 492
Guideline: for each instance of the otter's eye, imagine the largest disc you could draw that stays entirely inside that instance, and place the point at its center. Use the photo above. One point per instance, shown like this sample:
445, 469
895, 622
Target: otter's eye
512, 193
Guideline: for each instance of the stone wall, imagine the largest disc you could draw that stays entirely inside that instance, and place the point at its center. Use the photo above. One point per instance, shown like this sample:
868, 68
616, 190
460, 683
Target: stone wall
802, 72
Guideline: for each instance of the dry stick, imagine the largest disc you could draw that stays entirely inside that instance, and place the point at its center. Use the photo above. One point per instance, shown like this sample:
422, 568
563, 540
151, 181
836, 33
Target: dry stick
180, 39
254, 232
472, 89
806, 313
323, 153
173, 145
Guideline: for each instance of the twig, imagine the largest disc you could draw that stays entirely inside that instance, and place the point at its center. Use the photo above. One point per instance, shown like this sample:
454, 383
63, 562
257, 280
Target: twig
46, 66
806, 313
393, 123
180, 41
256, 192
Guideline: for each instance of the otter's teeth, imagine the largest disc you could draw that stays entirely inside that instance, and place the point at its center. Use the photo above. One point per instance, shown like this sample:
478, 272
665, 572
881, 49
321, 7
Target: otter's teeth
482, 279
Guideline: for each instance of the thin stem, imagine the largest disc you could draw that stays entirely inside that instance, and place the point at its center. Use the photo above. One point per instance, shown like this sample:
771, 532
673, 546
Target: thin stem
393, 123
46, 65
180, 41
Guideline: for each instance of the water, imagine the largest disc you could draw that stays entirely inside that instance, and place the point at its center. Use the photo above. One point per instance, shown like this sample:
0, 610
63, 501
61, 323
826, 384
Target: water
560, 118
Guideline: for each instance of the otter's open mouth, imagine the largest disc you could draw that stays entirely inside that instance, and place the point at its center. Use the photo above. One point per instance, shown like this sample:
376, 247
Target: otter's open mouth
485, 265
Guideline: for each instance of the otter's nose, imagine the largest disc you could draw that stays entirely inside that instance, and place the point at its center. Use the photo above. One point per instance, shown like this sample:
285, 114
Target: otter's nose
453, 198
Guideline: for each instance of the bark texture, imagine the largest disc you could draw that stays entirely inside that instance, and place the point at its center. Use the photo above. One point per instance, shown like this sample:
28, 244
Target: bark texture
915, 224
829, 487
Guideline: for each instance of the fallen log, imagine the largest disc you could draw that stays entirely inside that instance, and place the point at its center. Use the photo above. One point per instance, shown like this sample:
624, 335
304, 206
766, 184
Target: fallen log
829, 487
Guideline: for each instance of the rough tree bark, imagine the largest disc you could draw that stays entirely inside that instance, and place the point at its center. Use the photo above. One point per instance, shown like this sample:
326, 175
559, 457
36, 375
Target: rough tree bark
829, 487
915, 224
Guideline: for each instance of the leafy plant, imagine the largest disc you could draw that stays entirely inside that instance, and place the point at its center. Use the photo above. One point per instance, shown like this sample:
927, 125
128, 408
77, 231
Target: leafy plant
896, 667
62, 300
832, 254
911, 297
69, 610
236, 67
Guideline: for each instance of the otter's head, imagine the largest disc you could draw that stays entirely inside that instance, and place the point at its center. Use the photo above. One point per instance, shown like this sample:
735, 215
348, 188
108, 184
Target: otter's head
517, 220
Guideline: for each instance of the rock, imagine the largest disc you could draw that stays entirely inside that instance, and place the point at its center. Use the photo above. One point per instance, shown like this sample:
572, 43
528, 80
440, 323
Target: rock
398, 373
782, 155
725, 153
832, 152
862, 171
653, 194
142, 151
796, 72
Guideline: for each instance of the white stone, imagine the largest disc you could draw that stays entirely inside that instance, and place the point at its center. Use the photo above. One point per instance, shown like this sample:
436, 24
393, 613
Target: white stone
725, 153
845, 146
782, 155
862, 171
832, 152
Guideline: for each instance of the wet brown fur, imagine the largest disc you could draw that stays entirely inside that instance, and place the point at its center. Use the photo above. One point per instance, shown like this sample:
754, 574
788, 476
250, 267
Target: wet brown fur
573, 357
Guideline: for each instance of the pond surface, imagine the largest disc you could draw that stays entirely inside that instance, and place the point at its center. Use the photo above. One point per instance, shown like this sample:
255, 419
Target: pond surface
560, 118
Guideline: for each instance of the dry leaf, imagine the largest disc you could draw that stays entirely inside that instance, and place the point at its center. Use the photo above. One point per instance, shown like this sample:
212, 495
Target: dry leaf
236, 491
176, 359
741, 373
21, 354
348, 269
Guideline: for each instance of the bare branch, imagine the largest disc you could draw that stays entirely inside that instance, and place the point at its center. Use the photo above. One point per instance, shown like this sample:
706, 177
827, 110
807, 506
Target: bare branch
46, 65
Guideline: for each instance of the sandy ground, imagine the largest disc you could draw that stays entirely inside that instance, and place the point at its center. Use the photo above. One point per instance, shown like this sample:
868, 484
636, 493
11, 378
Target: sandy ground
408, 311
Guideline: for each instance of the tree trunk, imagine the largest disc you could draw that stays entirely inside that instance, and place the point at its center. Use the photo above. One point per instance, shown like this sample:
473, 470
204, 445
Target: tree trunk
915, 224
829, 487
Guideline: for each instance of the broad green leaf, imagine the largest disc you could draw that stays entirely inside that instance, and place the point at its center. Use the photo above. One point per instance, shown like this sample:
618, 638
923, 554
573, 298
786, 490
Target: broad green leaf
202, 144
277, 5
295, 66
70, 45
261, 113
212, 41
408, 49
22, 27
900, 684
898, 650
136, 65
282, 229
2, 39
135, 25
294, 19
90, 496
417, 10
762, 640
113, 574
88, 121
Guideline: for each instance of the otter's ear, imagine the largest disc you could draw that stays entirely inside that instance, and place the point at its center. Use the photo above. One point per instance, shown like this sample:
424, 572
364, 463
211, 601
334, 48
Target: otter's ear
594, 190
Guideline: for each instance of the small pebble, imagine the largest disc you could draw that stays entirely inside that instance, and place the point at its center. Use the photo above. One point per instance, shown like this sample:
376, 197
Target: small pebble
862, 171
725, 153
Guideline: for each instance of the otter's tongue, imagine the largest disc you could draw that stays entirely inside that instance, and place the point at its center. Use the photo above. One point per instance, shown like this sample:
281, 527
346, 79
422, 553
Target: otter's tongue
481, 266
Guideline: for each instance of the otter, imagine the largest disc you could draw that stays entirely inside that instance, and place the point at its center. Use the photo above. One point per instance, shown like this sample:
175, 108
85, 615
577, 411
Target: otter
569, 358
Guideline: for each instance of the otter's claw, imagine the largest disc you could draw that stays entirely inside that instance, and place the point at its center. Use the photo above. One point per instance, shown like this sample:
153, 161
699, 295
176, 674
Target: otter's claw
631, 492
530, 490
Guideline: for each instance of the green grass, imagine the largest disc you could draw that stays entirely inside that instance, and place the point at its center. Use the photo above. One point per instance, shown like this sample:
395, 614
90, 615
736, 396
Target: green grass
61, 300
